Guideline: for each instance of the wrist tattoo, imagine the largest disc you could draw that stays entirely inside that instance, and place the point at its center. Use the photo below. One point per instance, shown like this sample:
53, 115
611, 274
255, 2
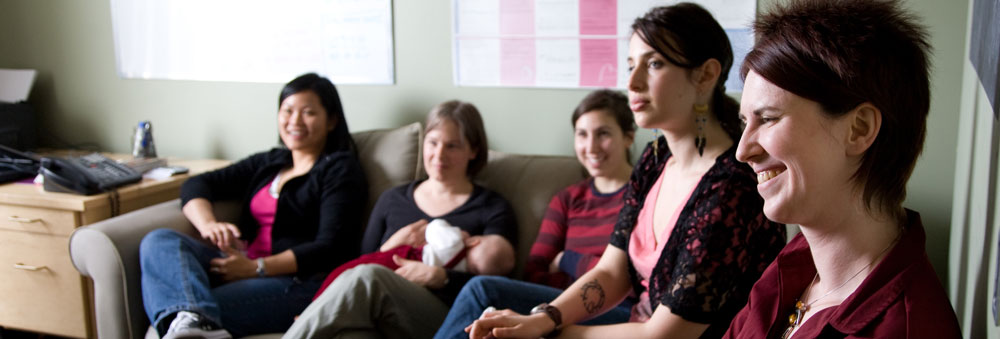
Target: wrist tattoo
592, 296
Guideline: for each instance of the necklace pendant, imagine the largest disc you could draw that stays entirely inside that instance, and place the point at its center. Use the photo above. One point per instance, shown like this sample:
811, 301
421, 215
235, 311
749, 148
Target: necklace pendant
800, 310
788, 332
795, 319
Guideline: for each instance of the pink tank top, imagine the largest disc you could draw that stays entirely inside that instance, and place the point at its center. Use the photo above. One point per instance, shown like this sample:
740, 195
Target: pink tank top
643, 248
262, 208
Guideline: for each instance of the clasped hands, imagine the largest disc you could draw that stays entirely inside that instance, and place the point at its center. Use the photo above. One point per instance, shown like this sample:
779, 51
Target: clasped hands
510, 324
235, 265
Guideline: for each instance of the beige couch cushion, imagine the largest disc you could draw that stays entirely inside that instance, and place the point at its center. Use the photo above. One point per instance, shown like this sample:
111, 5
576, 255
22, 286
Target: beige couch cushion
390, 157
529, 182
107, 251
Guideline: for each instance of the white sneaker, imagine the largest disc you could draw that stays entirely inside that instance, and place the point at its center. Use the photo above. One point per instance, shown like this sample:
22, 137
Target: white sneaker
190, 325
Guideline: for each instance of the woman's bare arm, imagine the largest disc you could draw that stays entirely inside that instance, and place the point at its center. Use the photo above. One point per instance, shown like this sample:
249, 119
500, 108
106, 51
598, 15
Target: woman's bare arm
222, 234
663, 324
594, 293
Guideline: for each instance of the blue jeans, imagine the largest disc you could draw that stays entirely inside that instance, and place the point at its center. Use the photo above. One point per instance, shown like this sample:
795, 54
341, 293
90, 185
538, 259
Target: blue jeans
175, 278
506, 293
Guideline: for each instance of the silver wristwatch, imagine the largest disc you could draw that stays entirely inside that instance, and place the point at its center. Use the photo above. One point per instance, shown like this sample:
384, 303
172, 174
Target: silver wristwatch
261, 272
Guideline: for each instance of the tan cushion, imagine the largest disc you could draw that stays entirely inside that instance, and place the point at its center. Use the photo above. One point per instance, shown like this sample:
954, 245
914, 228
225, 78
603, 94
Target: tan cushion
529, 182
389, 157
107, 251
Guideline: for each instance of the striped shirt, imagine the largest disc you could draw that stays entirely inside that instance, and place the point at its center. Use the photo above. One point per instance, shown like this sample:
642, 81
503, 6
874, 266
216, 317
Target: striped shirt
578, 222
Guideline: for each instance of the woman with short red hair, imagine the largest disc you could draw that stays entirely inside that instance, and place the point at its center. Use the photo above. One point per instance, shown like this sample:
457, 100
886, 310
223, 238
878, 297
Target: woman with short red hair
835, 103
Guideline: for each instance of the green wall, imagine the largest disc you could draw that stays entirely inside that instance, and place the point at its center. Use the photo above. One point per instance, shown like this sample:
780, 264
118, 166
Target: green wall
80, 98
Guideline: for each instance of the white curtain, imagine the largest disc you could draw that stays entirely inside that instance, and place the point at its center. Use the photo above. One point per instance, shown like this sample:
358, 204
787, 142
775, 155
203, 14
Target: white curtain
972, 270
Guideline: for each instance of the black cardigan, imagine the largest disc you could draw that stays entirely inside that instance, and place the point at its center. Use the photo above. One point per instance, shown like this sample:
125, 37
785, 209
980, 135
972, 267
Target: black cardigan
720, 245
319, 214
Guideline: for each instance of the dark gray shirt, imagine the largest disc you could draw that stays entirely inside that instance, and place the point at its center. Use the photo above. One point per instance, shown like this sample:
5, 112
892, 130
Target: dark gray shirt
485, 213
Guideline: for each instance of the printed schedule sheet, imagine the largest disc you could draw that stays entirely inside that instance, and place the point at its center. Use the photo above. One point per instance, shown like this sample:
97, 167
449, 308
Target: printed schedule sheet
565, 43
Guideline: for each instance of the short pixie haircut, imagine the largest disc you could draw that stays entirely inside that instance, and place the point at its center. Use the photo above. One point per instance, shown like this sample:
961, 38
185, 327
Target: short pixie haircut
470, 126
843, 53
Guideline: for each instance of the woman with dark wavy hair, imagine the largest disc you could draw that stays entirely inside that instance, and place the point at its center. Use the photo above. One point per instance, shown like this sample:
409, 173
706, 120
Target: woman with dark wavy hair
302, 211
691, 238
835, 103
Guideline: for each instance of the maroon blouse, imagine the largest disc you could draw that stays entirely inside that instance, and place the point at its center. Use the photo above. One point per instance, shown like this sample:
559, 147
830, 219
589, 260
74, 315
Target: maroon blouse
901, 298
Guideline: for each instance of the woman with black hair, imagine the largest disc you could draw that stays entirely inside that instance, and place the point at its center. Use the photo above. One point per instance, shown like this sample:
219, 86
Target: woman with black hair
302, 212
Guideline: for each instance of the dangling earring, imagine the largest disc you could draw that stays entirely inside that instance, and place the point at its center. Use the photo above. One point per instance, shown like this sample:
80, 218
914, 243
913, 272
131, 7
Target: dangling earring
656, 141
700, 117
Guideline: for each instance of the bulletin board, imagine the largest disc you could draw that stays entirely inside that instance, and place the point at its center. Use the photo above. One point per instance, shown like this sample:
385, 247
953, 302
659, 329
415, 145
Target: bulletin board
567, 43
349, 41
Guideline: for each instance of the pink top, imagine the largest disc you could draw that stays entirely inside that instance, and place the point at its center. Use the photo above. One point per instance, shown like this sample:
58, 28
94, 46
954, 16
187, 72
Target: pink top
643, 248
262, 208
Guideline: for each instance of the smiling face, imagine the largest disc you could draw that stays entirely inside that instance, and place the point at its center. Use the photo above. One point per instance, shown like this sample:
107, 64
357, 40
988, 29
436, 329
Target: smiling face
798, 153
303, 123
446, 152
661, 94
600, 143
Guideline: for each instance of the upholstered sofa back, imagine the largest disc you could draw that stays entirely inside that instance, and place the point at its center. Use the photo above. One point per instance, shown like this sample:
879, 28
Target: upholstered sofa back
392, 157
108, 251
389, 158
529, 182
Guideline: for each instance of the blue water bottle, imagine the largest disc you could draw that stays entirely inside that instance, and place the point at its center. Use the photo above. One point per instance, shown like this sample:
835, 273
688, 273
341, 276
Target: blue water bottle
142, 141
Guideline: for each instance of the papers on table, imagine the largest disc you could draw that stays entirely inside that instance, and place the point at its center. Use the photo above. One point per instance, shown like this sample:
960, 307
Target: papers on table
15, 84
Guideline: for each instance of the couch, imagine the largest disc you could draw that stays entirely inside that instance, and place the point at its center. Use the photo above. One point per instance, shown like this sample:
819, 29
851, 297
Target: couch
108, 251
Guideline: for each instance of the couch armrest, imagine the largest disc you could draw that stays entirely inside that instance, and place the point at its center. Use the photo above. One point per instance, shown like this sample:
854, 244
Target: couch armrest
108, 252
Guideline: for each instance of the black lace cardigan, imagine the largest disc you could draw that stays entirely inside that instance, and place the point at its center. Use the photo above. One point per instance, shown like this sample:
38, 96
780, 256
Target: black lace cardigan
720, 246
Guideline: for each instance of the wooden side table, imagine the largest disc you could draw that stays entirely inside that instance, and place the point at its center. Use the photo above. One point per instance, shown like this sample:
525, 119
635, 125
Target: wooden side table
40, 291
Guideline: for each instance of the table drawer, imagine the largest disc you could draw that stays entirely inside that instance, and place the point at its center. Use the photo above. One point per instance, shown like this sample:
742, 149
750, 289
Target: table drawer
37, 220
39, 289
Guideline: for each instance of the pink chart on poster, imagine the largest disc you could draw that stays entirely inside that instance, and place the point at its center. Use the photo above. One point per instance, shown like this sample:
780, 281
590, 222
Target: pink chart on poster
564, 43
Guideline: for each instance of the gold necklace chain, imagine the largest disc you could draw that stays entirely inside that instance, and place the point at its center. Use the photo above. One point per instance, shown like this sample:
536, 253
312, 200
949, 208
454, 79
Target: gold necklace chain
800, 309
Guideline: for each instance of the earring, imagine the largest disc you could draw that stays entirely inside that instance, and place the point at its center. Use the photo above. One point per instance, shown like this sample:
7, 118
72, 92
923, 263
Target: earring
656, 141
700, 118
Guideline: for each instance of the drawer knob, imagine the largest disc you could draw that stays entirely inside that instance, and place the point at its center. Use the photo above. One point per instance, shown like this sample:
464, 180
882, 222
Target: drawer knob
21, 266
22, 220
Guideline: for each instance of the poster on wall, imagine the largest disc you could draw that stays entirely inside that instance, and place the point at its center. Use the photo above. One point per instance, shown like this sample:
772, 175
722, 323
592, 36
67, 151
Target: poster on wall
567, 43
349, 41
985, 57
985, 53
